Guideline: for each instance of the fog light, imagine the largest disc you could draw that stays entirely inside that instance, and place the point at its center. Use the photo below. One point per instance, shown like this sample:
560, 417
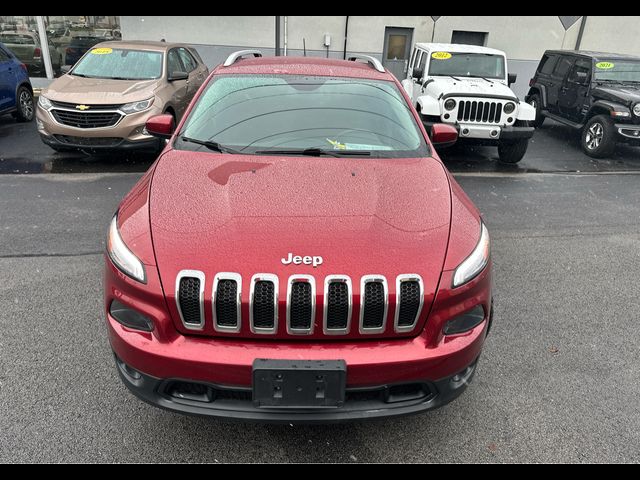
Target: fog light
446, 116
129, 318
129, 373
465, 322
509, 120
463, 377
39, 124
465, 131
494, 133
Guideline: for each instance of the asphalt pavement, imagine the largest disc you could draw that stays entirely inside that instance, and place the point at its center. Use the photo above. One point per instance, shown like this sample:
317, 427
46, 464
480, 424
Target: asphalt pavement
558, 381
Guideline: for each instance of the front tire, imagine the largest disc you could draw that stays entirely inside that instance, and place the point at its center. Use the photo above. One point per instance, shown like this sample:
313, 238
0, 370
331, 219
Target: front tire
26, 108
512, 151
536, 103
599, 137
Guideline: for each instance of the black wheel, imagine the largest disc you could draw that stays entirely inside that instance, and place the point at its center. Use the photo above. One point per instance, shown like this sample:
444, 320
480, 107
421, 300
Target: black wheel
599, 137
512, 151
26, 110
535, 102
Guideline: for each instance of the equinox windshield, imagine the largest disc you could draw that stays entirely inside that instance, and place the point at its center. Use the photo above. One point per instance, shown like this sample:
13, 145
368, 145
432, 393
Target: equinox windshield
468, 65
120, 64
618, 71
256, 114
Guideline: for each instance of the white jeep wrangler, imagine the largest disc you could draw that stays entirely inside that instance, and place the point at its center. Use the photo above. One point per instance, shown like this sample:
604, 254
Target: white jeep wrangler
468, 86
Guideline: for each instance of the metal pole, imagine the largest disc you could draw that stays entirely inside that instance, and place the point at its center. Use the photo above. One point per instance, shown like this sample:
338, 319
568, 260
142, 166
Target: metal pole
277, 35
346, 34
582, 24
44, 46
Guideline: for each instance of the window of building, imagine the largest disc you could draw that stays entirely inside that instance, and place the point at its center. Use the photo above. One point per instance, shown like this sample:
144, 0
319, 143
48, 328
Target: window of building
469, 38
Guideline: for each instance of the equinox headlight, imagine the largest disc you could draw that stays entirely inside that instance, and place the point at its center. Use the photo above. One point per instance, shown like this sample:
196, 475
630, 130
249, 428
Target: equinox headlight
135, 107
636, 109
509, 108
44, 102
121, 256
475, 262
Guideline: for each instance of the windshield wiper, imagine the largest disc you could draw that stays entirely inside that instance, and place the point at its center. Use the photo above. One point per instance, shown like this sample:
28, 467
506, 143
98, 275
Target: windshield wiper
455, 78
215, 146
317, 152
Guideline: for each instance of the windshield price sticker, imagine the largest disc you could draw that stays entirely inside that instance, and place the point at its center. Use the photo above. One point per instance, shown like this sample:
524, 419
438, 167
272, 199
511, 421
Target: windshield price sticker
605, 65
441, 55
102, 51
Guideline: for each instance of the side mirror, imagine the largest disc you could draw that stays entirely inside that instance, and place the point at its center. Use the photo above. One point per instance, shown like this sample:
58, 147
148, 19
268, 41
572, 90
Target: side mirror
418, 73
161, 126
511, 78
178, 76
443, 135
65, 69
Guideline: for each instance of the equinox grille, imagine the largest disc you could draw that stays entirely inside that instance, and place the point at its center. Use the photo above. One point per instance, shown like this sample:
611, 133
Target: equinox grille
374, 305
86, 120
227, 303
337, 302
301, 306
409, 303
264, 312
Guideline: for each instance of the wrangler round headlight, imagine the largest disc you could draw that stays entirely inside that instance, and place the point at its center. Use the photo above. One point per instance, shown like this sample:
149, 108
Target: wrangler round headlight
636, 109
509, 108
450, 104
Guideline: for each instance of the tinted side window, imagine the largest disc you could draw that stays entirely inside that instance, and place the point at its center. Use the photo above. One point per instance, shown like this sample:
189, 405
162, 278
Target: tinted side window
563, 66
580, 72
547, 63
423, 60
173, 63
187, 60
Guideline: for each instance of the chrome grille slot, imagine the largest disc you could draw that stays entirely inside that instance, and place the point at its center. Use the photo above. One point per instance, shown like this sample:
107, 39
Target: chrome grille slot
301, 305
479, 111
337, 305
409, 301
190, 298
263, 304
373, 304
226, 295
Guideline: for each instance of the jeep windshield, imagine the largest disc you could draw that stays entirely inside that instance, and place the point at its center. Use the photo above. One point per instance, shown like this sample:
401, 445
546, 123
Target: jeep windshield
474, 65
303, 115
617, 71
120, 64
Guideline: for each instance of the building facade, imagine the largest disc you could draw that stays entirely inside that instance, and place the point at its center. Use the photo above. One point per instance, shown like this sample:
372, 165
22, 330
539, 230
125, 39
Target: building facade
389, 38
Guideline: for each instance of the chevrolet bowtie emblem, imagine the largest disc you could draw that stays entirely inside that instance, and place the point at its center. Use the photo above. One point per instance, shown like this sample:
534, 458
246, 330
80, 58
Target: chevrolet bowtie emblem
82, 107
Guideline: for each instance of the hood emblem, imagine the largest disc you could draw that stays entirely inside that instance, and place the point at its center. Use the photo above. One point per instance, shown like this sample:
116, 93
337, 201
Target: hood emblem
298, 260
83, 107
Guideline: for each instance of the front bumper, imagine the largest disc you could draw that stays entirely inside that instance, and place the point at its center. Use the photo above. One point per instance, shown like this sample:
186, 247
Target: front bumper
489, 132
211, 400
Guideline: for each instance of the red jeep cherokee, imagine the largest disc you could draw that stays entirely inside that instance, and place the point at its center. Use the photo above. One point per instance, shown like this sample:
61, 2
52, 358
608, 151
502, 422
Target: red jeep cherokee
298, 252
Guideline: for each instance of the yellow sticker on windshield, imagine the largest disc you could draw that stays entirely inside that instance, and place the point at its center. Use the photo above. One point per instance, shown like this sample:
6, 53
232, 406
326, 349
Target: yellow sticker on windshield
337, 145
102, 51
441, 55
605, 65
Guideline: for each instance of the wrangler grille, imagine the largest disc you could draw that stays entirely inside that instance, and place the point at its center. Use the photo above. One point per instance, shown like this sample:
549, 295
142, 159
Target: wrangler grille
479, 111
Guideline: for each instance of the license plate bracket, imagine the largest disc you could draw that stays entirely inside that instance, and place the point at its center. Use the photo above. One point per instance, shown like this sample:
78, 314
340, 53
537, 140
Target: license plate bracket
313, 384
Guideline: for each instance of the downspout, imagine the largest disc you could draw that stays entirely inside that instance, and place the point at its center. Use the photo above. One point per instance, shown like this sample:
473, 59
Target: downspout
583, 22
286, 19
346, 35
277, 35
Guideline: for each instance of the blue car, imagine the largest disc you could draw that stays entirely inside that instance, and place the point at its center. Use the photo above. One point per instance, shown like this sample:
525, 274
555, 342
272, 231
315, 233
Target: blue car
16, 93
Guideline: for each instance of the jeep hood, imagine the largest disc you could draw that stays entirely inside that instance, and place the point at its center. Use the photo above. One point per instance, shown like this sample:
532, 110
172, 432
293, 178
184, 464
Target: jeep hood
232, 213
624, 94
72, 89
468, 86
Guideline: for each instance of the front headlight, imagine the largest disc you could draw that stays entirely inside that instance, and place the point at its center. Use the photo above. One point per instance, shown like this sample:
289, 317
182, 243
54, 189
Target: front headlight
135, 107
509, 108
475, 262
636, 109
121, 256
44, 102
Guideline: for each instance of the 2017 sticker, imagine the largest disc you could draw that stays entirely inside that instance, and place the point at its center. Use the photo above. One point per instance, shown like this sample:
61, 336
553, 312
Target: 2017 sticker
441, 55
605, 65
102, 51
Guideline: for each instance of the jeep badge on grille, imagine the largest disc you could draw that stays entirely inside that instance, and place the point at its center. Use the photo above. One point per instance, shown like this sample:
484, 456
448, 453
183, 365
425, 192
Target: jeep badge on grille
297, 260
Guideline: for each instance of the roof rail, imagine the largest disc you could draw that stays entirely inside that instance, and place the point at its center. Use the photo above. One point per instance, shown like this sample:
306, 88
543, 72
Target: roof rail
235, 56
374, 62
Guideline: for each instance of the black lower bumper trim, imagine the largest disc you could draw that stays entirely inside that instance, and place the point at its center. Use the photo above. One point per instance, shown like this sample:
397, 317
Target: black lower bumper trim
516, 133
235, 403
100, 144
